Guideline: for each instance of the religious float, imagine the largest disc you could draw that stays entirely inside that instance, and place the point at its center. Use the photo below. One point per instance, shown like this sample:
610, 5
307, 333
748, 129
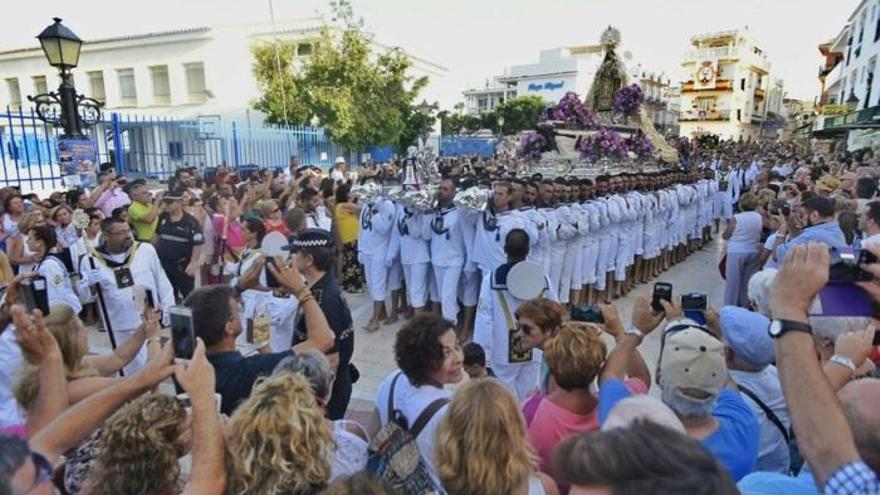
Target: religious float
606, 132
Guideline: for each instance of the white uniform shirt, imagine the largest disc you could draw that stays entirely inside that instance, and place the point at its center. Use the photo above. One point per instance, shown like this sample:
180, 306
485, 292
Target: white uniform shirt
444, 229
58, 286
376, 221
146, 271
491, 330
408, 238
488, 250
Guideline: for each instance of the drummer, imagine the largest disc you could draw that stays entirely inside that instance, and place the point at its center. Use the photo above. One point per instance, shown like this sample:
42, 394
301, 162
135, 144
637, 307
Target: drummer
495, 329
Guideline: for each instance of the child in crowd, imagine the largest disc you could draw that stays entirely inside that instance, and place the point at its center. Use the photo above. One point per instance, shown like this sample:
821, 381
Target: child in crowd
475, 361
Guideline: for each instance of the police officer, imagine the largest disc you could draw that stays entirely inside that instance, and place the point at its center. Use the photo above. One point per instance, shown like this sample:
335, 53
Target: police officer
313, 255
179, 240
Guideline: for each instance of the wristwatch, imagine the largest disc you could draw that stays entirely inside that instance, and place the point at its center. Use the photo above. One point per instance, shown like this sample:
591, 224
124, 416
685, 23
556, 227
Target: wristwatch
845, 362
634, 331
779, 327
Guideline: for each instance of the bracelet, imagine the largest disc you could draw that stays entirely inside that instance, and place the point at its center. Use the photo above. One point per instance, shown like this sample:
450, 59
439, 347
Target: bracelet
306, 298
844, 361
298, 293
150, 340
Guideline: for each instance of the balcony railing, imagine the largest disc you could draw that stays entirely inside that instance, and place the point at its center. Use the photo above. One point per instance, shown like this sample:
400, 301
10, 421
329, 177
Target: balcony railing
704, 115
711, 52
720, 85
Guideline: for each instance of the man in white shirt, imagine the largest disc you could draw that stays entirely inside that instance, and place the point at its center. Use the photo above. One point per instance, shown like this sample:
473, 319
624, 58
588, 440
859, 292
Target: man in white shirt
448, 249
748, 350
316, 217
869, 224
118, 265
495, 329
493, 227
376, 221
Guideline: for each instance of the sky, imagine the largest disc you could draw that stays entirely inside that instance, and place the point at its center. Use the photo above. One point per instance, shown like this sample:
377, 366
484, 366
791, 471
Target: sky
477, 39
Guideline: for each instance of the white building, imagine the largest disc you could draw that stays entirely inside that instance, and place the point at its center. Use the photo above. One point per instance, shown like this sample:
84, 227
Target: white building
182, 73
861, 36
727, 90
560, 70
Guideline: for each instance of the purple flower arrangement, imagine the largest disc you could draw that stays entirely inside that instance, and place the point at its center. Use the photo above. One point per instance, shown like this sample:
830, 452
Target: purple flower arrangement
530, 146
603, 144
571, 111
639, 144
628, 99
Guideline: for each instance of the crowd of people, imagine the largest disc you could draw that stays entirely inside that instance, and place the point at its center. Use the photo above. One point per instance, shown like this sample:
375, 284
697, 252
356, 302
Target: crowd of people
494, 393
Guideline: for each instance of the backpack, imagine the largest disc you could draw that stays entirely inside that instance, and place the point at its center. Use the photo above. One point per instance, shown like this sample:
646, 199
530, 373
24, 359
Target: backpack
393, 453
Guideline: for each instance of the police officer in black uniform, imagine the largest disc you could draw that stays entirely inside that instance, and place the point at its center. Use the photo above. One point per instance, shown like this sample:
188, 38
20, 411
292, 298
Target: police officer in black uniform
179, 242
313, 255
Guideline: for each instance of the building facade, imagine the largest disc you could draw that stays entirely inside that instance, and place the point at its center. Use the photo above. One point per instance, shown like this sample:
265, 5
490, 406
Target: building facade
182, 74
726, 93
564, 69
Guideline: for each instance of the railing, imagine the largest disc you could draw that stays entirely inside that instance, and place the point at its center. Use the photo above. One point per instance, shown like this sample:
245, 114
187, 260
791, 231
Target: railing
153, 147
720, 85
704, 115
711, 52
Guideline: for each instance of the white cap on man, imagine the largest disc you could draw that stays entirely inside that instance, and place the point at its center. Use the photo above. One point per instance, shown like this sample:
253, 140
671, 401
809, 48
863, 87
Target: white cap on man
339, 160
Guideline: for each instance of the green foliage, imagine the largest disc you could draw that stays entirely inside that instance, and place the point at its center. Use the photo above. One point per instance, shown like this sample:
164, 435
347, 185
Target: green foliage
359, 97
418, 122
520, 113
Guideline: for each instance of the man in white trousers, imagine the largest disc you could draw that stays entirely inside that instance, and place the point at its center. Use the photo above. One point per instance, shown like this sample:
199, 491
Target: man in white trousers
376, 221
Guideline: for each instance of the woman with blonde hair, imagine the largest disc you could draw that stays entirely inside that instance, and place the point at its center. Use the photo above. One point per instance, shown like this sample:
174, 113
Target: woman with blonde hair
86, 374
575, 355
482, 445
139, 448
279, 441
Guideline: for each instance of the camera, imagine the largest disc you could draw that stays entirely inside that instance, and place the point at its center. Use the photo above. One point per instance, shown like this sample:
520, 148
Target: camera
587, 314
694, 301
846, 266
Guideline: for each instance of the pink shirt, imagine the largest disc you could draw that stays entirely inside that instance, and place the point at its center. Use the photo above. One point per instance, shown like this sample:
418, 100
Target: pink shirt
110, 200
234, 237
550, 424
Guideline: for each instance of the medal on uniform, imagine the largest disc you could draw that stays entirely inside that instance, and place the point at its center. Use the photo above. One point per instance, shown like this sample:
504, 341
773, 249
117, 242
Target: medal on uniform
124, 278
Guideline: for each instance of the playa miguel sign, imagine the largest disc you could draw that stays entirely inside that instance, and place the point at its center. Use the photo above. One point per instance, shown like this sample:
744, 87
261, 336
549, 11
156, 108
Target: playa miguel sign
546, 86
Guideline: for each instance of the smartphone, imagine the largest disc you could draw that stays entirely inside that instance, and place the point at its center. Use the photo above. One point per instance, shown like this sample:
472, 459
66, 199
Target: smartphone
271, 281
142, 297
662, 291
694, 301
183, 334
35, 295
587, 314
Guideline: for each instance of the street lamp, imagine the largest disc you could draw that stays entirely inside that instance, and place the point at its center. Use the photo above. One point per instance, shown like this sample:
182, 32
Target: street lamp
501, 125
65, 108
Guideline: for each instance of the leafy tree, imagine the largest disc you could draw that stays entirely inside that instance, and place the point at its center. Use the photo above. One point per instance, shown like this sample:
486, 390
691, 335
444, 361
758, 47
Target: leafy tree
520, 113
418, 122
359, 97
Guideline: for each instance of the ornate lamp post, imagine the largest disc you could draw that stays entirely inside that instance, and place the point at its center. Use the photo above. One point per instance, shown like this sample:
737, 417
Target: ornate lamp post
501, 126
65, 108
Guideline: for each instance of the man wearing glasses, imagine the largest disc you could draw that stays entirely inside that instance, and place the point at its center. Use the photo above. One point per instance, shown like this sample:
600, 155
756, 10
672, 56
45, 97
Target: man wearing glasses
119, 265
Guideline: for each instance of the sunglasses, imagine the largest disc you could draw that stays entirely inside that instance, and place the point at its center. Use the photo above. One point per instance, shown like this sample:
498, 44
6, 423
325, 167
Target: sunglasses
524, 328
44, 471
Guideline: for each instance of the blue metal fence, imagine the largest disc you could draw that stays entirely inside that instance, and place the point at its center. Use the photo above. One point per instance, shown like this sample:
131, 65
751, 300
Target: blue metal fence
153, 147
463, 145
